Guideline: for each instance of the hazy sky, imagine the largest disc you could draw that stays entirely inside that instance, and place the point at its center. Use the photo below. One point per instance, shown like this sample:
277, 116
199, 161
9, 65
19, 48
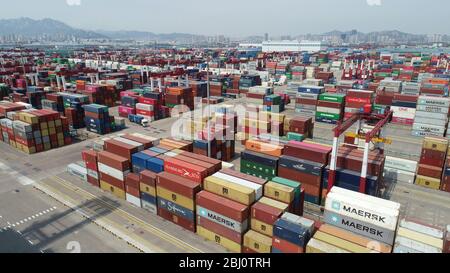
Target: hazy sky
239, 17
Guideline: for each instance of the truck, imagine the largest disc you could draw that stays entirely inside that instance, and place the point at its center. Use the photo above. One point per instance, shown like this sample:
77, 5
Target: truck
139, 120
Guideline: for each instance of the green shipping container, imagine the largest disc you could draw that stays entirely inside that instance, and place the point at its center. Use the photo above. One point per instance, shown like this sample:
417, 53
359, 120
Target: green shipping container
290, 183
328, 116
258, 170
295, 136
332, 97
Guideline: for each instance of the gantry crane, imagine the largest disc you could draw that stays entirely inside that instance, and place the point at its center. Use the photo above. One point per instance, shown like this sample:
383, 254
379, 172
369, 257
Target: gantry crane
374, 135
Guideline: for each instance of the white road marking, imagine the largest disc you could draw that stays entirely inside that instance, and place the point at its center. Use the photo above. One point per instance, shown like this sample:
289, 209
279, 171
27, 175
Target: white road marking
30, 242
24, 220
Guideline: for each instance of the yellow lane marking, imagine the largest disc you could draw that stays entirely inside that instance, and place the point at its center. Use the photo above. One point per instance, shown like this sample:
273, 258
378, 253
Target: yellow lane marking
150, 228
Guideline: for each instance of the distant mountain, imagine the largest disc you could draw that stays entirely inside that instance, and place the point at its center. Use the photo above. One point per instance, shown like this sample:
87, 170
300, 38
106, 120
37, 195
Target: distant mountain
31, 28
148, 36
377, 36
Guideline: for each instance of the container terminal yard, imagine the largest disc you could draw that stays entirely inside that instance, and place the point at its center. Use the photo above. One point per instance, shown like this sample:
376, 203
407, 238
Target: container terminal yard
81, 171
324, 144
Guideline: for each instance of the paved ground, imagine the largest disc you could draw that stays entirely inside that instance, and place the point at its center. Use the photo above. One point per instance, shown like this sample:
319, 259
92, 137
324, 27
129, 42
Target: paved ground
47, 210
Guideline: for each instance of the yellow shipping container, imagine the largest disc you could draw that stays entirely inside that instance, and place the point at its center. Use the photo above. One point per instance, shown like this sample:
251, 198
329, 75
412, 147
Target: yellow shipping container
274, 203
119, 193
176, 198
428, 182
13, 144
262, 227
51, 124
47, 146
316, 246
420, 237
44, 132
277, 117
225, 242
238, 193
279, 192
341, 243
28, 118
60, 136
147, 189
435, 143
258, 242
58, 122
43, 125
60, 142
51, 130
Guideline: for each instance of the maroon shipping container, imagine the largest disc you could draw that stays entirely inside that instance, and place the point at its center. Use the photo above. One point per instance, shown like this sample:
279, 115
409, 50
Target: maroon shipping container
120, 148
330, 104
90, 159
147, 143
247, 250
148, 178
210, 167
306, 101
220, 230
217, 163
285, 246
303, 178
223, 206
307, 152
430, 171
112, 181
265, 213
244, 176
178, 184
132, 186
114, 161
184, 223
93, 181
432, 158
447, 243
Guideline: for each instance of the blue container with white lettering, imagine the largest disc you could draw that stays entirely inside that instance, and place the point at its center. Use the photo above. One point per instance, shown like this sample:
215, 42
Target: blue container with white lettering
176, 209
291, 232
148, 198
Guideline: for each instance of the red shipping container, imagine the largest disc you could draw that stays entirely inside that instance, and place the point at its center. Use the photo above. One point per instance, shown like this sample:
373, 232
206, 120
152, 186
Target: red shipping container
223, 206
132, 186
185, 169
285, 246
432, 158
112, 181
147, 143
184, 223
178, 184
220, 230
120, 148
93, 181
430, 171
113, 161
247, 250
302, 177
90, 159
148, 178
311, 152
217, 163
265, 213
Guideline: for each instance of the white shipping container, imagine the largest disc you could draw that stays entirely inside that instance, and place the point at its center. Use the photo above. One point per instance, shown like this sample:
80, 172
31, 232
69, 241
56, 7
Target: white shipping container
418, 227
92, 173
368, 198
117, 174
133, 200
439, 130
433, 101
421, 237
145, 107
362, 210
399, 175
432, 109
149, 207
400, 164
415, 245
256, 187
130, 142
430, 115
328, 110
399, 248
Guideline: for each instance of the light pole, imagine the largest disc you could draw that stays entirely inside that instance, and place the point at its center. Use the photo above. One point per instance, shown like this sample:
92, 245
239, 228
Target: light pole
209, 108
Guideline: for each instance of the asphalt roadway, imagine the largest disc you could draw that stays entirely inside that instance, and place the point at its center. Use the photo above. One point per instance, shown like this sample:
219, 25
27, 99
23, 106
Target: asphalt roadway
46, 210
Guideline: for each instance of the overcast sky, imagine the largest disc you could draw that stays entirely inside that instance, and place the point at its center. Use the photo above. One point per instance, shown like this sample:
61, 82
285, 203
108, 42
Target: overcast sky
240, 17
